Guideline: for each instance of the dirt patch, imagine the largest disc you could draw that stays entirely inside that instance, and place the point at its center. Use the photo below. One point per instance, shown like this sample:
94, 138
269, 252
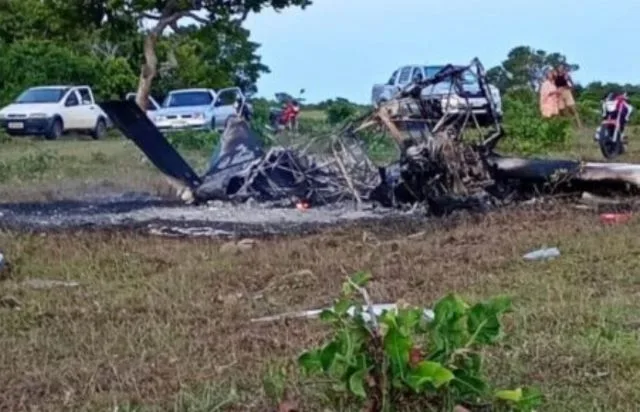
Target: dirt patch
157, 316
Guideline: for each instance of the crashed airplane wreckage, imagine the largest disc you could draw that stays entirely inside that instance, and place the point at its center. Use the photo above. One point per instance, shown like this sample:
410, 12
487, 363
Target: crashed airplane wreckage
438, 165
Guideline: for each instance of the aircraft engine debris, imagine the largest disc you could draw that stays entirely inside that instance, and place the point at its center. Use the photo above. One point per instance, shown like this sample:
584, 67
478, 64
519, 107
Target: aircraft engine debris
446, 162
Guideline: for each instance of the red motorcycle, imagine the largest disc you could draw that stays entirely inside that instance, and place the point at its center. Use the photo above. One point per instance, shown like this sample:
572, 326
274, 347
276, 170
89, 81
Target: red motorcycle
615, 112
285, 117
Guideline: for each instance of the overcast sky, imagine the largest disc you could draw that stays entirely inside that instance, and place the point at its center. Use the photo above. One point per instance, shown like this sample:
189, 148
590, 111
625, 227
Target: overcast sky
342, 47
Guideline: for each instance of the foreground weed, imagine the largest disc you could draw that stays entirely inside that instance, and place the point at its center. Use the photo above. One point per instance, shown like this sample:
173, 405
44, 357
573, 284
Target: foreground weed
405, 360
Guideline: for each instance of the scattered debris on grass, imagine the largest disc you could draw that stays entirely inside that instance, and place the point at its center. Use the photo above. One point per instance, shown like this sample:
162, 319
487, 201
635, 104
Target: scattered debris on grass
365, 312
543, 254
615, 218
238, 247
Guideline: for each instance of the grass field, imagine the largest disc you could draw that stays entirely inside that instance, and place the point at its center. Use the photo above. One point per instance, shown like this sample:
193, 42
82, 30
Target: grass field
313, 114
163, 324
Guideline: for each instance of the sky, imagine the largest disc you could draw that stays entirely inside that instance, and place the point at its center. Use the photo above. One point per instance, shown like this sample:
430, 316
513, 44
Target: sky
340, 48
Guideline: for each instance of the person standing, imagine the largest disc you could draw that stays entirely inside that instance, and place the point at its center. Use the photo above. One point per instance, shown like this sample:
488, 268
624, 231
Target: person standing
549, 95
564, 84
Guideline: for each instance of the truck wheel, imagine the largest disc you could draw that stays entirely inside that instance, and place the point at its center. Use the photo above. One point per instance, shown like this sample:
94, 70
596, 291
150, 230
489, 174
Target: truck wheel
55, 131
100, 130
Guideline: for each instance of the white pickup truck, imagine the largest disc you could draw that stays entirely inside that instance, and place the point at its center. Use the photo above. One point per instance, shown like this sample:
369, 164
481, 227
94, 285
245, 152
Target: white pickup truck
442, 91
51, 111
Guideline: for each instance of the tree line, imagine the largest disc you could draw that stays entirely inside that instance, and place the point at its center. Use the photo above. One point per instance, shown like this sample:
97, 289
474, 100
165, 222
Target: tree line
199, 43
117, 45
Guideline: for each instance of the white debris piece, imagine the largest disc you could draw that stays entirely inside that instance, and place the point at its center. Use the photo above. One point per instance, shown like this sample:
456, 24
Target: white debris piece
378, 309
543, 254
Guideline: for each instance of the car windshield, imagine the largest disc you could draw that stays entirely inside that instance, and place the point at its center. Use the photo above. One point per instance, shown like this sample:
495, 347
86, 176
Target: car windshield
181, 99
468, 77
42, 95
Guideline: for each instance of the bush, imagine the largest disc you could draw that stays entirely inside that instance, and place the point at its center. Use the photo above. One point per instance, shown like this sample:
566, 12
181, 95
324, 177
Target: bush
203, 141
340, 111
59, 64
590, 112
527, 132
403, 361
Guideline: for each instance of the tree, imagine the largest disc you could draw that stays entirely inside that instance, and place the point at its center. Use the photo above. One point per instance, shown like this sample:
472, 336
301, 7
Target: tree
524, 67
168, 13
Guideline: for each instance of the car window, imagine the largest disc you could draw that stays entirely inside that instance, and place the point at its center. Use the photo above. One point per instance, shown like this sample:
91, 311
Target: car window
417, 75
468, 78
72, 100
431, 71
42, 95
392, 79
85, 96
195, 98
227, 98
405, 75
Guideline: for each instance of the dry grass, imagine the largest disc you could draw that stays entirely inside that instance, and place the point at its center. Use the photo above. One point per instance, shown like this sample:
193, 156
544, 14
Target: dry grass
164, 323
156, 317
37, 170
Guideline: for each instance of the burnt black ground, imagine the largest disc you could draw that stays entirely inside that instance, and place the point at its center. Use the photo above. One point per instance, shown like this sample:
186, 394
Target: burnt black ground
155, 215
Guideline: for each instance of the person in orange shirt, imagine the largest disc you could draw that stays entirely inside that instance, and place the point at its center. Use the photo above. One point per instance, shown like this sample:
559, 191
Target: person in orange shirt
549, 95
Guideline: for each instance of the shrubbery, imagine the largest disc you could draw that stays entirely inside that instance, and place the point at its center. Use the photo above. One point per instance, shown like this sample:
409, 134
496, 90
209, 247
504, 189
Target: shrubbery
203, 141
405, 361
527, 132
340, 111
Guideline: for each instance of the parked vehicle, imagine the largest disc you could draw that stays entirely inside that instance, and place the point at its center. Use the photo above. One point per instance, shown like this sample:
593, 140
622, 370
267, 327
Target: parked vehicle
51, 111
442, 93
200, 109
152, 106
285, 116
616, 111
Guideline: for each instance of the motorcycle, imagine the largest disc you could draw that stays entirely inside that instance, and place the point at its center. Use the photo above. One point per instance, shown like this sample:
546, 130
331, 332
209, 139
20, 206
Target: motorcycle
285, 117
609, 134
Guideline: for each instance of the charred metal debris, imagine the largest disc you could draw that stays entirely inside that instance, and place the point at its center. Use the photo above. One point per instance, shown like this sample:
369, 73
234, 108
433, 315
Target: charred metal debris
446, 157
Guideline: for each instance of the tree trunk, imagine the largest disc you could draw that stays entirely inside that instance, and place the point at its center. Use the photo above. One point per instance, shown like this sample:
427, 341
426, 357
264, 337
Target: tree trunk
149, 68
148, 72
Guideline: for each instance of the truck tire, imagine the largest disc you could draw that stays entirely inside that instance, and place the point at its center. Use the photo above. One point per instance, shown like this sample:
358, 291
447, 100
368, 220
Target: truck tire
56, 129
100, 129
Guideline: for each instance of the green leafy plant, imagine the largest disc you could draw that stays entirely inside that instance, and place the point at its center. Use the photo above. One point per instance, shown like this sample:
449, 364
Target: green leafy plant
527, 131
406, 360
340, 111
